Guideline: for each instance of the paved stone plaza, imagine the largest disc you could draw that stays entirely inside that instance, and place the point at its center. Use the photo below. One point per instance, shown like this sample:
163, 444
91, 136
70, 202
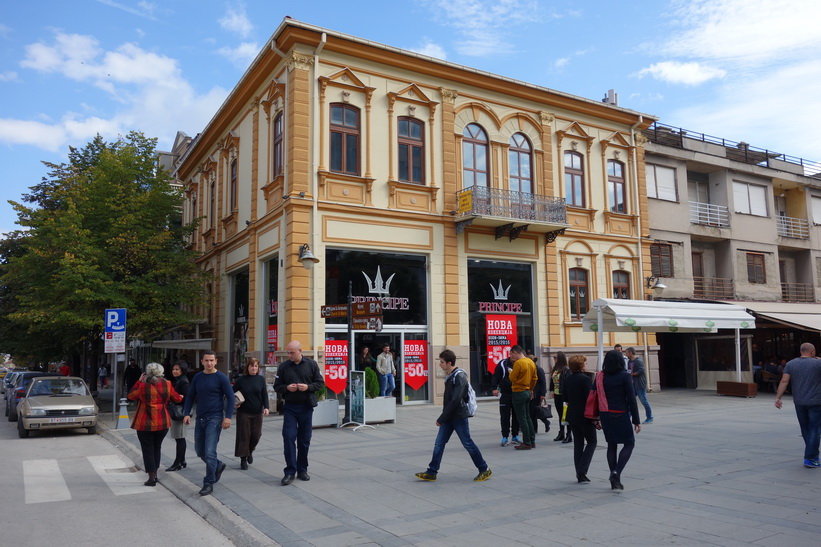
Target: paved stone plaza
711, 470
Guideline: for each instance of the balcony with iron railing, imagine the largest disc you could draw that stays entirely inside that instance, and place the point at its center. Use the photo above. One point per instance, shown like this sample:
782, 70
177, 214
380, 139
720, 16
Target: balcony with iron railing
708, 214
796, 228
797, 292
716, 288
510, 211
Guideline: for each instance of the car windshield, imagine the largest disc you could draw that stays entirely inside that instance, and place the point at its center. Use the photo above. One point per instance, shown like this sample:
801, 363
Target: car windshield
58, 387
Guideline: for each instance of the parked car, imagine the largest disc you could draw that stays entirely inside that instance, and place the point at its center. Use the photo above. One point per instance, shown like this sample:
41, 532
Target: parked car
15, 392
56, 402
9, 380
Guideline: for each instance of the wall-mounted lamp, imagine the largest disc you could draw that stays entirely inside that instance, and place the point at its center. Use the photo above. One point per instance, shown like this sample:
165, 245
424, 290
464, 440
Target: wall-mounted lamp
306, 257
653, 282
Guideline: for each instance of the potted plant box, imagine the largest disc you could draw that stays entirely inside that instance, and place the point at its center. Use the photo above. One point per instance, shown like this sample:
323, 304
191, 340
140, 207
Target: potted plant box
326, 413
380, 409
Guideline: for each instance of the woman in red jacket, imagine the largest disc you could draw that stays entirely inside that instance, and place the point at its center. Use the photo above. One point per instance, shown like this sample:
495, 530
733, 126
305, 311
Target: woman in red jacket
151, 420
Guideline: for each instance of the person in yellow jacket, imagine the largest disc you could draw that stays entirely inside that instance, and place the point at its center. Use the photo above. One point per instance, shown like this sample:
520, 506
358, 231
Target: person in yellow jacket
523, 379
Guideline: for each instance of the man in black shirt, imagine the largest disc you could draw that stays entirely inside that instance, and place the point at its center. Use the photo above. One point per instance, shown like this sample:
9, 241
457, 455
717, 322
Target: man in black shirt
500, 383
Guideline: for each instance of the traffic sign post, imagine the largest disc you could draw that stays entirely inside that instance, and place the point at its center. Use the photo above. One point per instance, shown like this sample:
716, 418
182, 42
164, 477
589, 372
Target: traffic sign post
114, 336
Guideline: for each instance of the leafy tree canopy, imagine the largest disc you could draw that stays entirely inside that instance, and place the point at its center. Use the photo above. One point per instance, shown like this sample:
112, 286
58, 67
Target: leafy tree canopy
101, 231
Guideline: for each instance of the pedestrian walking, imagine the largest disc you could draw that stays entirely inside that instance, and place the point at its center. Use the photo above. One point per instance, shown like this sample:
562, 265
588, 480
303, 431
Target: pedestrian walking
212, 392
297, 381
557, 374
576, 388
102, 377
523, 379
803, 374
250, 412
177, 432
500, 385
454, 417
386, 369
151, 419
635, 365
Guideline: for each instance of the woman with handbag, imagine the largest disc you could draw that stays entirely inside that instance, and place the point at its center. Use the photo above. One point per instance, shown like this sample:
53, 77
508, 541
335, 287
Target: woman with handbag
180, 373
621, 409
250, 411
557, 375
576, 389
151, 420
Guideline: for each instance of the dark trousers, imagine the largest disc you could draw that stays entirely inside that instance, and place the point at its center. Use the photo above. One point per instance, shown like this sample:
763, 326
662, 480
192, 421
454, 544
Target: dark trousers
506, 413
296, 436
249, 431
521, 404
151, 445
584, 446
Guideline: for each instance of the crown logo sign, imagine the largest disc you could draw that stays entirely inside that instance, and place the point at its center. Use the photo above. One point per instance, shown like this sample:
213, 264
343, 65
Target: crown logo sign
240, 311
377, 286
500, 293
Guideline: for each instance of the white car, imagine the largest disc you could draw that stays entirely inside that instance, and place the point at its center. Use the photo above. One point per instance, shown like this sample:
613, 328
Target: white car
57, 402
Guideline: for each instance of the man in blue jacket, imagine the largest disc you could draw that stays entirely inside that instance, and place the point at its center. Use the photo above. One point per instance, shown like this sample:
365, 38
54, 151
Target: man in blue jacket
212, 392
454, 417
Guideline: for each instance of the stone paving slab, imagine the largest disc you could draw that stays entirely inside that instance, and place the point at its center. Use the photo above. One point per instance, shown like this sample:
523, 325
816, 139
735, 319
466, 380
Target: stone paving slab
711, 470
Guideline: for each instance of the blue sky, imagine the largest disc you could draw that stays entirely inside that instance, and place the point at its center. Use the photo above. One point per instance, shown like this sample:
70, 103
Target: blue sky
745, 70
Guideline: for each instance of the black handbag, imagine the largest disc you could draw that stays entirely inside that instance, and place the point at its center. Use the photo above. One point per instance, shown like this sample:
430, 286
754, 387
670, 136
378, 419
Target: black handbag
544, 412
175, 411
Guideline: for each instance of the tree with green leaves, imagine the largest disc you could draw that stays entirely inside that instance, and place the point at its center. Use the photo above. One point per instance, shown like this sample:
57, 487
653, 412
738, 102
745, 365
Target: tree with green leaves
102, 230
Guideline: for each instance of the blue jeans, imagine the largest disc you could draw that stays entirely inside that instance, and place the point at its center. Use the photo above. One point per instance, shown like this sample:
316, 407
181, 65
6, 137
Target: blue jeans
462, 429
296, 436
809, 418
642, 395
386, 385
206, 436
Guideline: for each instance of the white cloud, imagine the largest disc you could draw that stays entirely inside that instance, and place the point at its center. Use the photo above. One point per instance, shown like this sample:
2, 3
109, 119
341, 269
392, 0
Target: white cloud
236, 20
8, 76
431, 49
146, 8
561, 63
242, 55
5, 30
682, 73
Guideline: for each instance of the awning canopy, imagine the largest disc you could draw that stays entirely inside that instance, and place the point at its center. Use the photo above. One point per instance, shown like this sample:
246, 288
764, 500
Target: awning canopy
804, 316
192, 344
663, 316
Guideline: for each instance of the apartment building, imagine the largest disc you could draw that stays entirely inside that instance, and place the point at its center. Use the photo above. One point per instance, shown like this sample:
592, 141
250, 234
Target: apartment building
730, 222
478, 210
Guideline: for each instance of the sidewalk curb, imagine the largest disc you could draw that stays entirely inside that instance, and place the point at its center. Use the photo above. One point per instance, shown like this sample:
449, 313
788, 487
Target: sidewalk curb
214, 512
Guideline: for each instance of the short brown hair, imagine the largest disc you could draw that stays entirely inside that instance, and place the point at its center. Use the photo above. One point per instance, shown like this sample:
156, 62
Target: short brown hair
576, 363
250, 361
448, 356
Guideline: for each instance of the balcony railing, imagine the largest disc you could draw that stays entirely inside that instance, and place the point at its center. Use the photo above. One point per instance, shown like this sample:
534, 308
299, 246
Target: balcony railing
718, 288
797, 228
709, 214
797, 292
518, 206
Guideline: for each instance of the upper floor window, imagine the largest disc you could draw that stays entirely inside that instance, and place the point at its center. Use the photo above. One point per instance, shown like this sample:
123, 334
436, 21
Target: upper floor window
621, 284
661, 259
233, 187
411, 150
816, 209
616, 188
212, 205
661, 182
756, 269
579, 293
474, 156
750, 199
277, 152
345, 139
520, 159
574, 179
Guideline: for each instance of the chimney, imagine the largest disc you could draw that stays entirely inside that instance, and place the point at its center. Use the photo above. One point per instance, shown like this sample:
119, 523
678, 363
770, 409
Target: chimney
611, 98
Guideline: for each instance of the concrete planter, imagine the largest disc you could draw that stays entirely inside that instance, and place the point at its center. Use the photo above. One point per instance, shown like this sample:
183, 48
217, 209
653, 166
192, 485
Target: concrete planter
326, 414
380, 409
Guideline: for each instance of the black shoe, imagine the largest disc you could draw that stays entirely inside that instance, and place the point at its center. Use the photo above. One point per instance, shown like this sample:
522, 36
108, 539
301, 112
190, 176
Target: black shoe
250, 458
286, 480
615, 482
207, 490
583, 478
560, 436
303, 476
151, 482
243, 464
568, 439
220, 469
177, 466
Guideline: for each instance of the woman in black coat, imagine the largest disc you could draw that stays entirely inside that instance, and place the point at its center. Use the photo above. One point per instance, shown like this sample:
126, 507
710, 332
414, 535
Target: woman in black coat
250, 413
180, 374
576, 388
621, 410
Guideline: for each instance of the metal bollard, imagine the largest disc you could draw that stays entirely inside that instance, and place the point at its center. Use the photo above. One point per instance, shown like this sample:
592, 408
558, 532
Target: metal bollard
123, 421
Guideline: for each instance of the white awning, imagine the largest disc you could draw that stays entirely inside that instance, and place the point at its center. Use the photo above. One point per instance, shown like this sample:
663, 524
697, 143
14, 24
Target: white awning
192, 344
662, 316
804, 316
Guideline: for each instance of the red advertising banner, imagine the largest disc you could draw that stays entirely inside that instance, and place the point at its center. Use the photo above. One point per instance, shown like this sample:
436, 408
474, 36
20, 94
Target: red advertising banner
336, 365
415, 363
272, 345
501, 336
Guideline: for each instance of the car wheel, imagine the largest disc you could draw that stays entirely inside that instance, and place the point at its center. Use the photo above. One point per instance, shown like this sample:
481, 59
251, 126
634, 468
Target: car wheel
13, 415
92, 430
22, 432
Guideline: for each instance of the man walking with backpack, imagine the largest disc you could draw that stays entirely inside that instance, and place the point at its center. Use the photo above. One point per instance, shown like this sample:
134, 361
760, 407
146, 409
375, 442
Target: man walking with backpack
454, 417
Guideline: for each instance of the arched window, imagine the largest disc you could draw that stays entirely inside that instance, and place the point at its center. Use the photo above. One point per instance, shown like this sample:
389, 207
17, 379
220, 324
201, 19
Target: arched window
621, 284
574, 179
579, 293
520, 156
615, 186
411, 150
474, 156
345, 139
233, 186
277, 152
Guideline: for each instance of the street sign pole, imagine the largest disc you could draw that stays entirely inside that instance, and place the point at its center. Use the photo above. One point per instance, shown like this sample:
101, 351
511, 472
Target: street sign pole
347, 417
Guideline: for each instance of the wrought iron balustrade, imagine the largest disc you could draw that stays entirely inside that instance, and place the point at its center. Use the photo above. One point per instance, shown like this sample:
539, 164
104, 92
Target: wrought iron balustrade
519, 206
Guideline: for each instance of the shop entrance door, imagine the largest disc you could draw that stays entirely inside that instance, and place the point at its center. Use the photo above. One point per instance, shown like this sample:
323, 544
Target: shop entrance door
411, 357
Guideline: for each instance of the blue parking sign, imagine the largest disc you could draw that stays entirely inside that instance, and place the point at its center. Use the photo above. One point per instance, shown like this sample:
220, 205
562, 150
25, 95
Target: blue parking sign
115, 320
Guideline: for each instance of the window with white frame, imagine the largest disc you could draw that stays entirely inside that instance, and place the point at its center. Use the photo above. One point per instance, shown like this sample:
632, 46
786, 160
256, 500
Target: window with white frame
816, 209
750, 199
661, 182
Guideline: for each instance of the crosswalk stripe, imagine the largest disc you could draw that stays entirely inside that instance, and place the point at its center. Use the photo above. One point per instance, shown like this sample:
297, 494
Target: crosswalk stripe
44, 482
119, 474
